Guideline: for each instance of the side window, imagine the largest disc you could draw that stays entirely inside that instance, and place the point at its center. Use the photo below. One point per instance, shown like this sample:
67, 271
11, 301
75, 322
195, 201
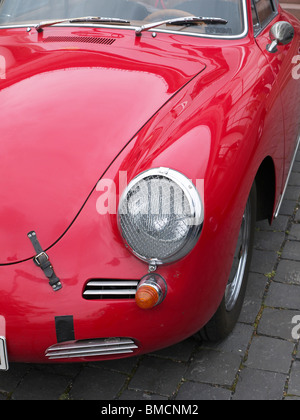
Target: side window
264, 10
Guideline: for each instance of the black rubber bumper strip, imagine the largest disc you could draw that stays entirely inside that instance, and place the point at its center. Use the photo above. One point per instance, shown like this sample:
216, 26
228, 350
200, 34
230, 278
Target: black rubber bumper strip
64, 326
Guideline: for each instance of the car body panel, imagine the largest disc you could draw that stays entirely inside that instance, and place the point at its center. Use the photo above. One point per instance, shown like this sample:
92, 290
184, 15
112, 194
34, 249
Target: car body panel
221, 118
63, 128
282, 65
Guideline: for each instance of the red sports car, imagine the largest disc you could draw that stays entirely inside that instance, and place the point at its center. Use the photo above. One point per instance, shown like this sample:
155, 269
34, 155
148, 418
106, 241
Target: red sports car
140, 142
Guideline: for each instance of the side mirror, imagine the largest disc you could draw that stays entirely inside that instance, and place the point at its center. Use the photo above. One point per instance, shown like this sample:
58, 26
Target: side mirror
282, 33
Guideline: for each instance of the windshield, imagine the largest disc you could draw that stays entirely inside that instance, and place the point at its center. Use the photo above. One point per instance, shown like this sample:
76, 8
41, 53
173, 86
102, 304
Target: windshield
138, 12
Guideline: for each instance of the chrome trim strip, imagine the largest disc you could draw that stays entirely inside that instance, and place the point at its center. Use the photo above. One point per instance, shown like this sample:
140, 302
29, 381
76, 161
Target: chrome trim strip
109, 292
112, 283
287, 181
71, 345
110, 353
242, 35
232, 37
4, 366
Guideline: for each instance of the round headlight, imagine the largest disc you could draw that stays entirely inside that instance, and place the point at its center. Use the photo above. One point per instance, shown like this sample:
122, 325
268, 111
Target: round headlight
160, 216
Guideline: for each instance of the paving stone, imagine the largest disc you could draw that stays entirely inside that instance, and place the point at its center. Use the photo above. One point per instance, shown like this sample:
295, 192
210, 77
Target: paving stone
291, 250
270, 354
263, 261
65, 369
282, 295
259, 385
292, 192
158, 375
180, 352
279, 224
288, 207
237, 342
134, 395
97, 384
277, 323
10, 380
3, 397
202, 392
295, 234
253, 299
297, 333
295, 180
41, 386
214, 367
294, 382
271, 241
288, 272
122, 365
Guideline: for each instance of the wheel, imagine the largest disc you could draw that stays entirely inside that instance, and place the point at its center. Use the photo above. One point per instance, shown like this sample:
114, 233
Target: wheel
226, 317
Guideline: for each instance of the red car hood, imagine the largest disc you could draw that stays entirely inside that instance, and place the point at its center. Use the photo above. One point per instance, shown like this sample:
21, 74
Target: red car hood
68, 107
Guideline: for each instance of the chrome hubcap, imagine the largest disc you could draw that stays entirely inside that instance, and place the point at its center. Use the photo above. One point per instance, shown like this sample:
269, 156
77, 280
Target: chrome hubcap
239, 263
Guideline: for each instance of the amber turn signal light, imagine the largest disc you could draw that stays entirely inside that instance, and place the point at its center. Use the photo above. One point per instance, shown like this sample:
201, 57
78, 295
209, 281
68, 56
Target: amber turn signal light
151, 291
146, 297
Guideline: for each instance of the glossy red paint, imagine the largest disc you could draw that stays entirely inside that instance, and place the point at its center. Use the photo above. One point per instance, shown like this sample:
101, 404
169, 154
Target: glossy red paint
211, 109
63, 105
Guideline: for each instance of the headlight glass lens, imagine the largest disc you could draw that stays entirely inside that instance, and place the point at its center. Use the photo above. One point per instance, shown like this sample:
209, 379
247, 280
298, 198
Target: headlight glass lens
161, 216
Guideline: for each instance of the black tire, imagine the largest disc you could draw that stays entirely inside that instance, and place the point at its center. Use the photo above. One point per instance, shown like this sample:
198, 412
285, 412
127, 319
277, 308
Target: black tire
227, 315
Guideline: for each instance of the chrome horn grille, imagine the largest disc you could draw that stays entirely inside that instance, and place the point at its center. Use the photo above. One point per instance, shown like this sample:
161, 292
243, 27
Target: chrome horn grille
91, 348
110, 289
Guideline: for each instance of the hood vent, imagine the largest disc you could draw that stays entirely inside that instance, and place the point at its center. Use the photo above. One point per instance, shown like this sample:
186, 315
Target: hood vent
82, 39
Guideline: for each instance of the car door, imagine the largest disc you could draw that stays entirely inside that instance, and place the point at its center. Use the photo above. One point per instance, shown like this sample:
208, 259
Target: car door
265, 14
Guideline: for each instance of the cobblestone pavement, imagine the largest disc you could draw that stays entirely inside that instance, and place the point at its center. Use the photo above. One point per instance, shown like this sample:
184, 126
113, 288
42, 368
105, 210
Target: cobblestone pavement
259, 360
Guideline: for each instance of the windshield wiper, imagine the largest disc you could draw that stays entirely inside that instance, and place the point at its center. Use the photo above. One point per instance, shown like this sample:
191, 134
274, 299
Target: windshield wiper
86, 19
182, 21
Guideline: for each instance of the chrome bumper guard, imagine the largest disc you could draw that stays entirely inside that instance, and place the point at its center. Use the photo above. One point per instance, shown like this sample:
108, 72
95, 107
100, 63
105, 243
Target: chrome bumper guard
3, 354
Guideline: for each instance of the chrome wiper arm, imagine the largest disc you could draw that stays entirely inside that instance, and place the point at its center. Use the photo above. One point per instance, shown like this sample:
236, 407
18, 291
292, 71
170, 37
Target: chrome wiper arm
182, 21
85, 19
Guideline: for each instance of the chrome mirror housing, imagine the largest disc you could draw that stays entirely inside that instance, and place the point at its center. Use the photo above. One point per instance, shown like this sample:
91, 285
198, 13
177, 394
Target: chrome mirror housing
282, 33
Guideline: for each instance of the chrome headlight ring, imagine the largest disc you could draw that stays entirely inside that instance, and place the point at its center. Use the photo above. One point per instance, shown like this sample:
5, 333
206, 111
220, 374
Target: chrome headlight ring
160, 216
